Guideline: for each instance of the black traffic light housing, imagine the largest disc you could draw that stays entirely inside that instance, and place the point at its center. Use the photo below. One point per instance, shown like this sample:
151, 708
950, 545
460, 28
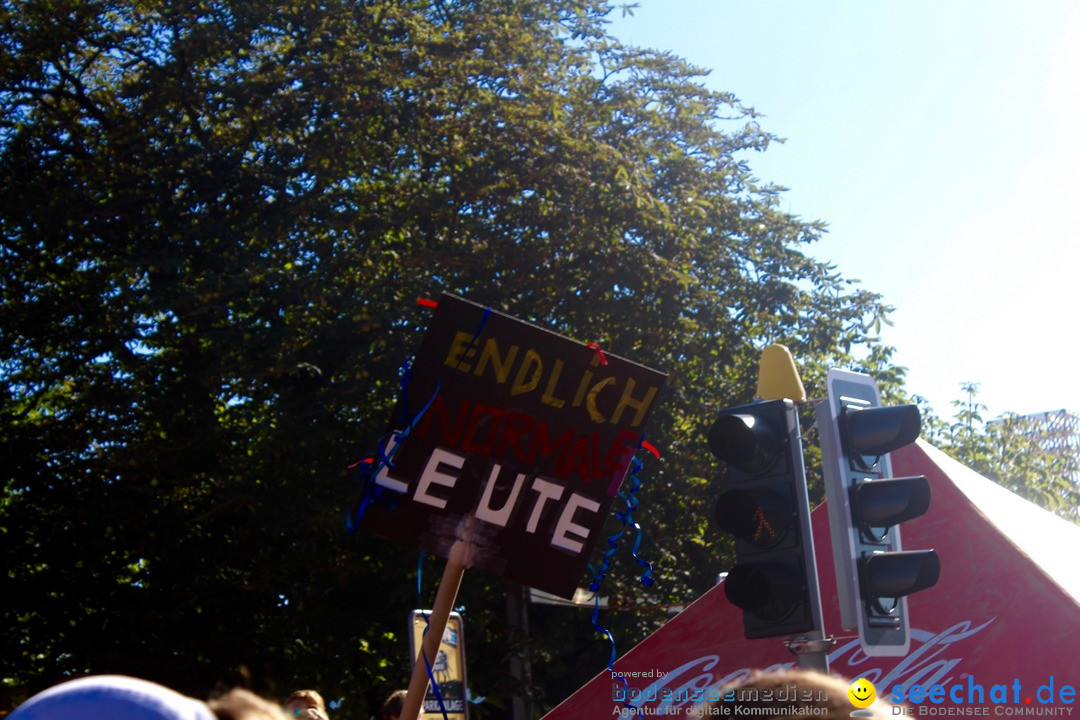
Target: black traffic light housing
874, 575
765, 507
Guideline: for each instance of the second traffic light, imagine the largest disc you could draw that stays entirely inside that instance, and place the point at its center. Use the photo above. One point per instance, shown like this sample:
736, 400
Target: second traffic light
874, 575
765, 507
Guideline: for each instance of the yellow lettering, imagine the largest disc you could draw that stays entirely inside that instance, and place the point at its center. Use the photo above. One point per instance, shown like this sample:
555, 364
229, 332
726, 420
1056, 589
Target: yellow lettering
590, 400
628, 399
580, 395
501, 365
455, 358
521, 385
549, 392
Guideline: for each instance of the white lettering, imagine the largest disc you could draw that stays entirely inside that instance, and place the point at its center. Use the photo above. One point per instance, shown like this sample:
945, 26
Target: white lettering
383, 476
547, 491
433, 476
567, 525
499, 517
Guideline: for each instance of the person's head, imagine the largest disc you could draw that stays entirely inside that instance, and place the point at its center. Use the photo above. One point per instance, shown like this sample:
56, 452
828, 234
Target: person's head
393, 705
306, 705
240, 704
788, 694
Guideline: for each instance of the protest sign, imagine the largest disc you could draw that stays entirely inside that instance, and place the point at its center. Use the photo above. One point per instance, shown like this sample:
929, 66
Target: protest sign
515, 435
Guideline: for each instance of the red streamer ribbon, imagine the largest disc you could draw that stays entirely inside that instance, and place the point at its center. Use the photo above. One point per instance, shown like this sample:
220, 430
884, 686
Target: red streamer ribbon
599, 352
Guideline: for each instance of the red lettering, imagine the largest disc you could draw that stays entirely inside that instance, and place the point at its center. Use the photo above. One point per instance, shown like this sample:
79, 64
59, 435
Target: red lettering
576, 459
625, 445
540, 443
516, 425
484, 421
451, 431
480, 429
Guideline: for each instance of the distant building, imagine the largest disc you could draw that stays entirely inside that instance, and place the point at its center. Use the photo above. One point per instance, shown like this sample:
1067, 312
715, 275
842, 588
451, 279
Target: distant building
1056, 431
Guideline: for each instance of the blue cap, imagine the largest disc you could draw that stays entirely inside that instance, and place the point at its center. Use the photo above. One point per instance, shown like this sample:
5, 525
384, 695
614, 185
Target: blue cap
111, 697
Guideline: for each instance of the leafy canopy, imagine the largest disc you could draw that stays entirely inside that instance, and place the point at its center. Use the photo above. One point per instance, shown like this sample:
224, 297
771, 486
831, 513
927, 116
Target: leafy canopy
1012, 451
216, 218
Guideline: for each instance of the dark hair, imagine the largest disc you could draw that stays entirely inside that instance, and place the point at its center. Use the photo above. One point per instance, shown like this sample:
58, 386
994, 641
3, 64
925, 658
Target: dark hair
393, 705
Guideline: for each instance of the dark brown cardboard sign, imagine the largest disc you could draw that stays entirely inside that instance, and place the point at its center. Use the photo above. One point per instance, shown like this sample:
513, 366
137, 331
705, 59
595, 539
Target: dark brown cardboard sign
525, 439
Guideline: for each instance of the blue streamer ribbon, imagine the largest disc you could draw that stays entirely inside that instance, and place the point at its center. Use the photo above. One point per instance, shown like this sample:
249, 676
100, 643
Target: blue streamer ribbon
633, 504
603, 630
369, 468
371, 492
611, 660
626, 517
431, 675
404, 378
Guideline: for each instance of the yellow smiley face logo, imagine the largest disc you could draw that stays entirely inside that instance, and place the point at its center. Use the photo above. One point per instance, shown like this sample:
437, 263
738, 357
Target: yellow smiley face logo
862, 693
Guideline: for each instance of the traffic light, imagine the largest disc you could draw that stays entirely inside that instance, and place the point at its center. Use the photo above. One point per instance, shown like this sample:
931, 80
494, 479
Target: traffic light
765, 507
874, 575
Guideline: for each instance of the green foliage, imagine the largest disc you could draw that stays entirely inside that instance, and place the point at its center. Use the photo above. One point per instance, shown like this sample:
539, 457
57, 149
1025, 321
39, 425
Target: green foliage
1005, 451
216, 219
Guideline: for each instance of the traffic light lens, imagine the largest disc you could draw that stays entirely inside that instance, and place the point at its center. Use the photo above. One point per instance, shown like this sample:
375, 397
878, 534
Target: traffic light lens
880, 504
772, 590
896, 574
872, 432
747, 587
746, 441
761, 518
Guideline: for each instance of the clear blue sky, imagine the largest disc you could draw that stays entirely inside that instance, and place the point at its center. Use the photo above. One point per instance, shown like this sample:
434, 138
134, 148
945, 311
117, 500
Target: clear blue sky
940, 140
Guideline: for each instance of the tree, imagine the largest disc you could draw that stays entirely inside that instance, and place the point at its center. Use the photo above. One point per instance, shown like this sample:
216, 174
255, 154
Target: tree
1006, 452
216, 218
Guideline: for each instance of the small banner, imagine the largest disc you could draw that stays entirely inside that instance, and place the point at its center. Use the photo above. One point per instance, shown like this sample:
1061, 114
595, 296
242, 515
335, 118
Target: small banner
448, 670
514, 436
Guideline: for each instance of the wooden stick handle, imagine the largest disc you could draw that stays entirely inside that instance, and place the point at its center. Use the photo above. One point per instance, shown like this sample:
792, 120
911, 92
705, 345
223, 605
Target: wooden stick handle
440, 613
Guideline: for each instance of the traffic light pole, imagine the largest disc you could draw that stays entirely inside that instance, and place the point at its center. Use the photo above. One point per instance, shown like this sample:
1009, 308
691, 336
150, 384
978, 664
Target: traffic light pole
811, 648
813, 654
